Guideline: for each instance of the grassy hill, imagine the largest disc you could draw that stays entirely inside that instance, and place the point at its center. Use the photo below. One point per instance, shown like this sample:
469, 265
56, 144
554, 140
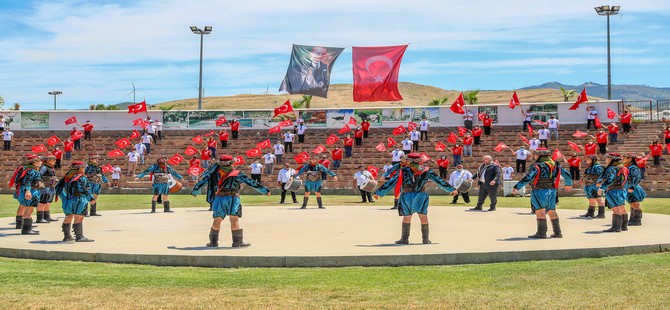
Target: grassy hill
340, 96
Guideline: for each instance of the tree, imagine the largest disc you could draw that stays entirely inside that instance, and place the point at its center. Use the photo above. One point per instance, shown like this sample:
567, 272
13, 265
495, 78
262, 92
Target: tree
437, 101
567, 93
470, 97
17, 106
307, 100
166, 107
2, 102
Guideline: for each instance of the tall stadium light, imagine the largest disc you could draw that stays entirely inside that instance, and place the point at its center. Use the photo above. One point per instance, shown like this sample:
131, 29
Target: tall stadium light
606, 10
202, 33
55, 93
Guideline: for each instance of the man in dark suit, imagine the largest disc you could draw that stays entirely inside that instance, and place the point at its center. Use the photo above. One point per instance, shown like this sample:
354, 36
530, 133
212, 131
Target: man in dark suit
488, 178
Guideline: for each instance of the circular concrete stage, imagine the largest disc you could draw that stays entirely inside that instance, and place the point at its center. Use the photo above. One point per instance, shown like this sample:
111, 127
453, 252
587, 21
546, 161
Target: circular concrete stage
361, 235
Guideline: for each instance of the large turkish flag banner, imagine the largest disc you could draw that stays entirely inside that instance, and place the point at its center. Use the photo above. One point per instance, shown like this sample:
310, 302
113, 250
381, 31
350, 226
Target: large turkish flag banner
376, 72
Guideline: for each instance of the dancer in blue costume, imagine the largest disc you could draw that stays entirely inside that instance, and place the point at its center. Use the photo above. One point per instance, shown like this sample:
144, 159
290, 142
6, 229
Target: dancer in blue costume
160, 172
612, 183
95, 178
313, 180
75, 193
589, 178
636, 193
413, 199
48, 193
227, 198
544, 175
28, 187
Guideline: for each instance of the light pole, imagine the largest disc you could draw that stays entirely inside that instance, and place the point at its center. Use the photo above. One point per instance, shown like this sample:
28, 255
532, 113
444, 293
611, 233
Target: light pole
606, 10
55, 93
202, 33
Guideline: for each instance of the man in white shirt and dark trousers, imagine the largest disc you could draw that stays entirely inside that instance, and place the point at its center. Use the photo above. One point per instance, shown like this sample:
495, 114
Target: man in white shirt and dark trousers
359, 178
279, 151
533, 144
591, 115
521, 156
543, 135
465, 176
467, 119
423, 128
407, 145
414, 136
507, 172
256, 171
396, 155
288, 142
7, 138
269, 160
282, 178
527, 119
141, 150
553, 124
301, 132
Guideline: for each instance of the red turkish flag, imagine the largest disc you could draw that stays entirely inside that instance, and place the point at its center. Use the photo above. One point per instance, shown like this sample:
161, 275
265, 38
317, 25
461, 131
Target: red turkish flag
319, 149
275, 129
514, 101
302, 157
440, 147
399, 130
530, 131
211, 132
481, 116
373, 170
332, 139
264, 144
286, 123
115, 153
452, 138
255, 152
123, 142
456, 107
190, 151
581, 99
574, 146
176, 159
137, 108
53, 140
380, 147
411, 126
197, 139
107, 168
597, 122
283, 109
557, 154
71, 120
501, 146
460, 101
579, 134
524, 139
376, 72
352, 121
424, 158
195, 170
239, 160
134, 135
462, 131
39, 149
344, 129
221, 120
610, 113
539, 122
390, 142
138, 122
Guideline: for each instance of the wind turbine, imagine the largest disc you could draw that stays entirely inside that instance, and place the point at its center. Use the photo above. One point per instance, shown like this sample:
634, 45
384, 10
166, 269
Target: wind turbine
132, 92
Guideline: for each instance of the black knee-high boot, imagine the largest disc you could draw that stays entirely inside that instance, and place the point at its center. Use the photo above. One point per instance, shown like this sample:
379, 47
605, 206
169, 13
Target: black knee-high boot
541, 230
47, 216
319, 202
67, 232
19, 221
166, 206
395, 204
213, 238
27, 228
40, 217
601, 212
238, 239
79, 233
636, 218
404, 237
94, 209
304, 202
557, 229
617, 221
590, 212
424, 233
153, 206
624, 222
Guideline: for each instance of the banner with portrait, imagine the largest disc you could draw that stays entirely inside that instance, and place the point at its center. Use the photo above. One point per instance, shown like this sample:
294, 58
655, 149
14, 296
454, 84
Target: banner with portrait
309, 70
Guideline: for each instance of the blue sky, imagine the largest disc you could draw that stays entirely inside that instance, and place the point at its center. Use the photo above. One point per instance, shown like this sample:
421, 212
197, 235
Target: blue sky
93, 50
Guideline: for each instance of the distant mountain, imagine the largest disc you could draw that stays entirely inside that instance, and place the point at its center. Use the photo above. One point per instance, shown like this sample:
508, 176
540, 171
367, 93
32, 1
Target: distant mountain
625, 92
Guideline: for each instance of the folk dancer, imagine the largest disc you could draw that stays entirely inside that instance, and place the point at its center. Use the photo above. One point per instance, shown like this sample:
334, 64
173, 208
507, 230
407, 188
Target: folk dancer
612, 183
95, 178
28, 187
48, 172
313, 180
635, 192
160, 172
227, 200
74, 192
412, 177
12, 181
589, 179
544, 175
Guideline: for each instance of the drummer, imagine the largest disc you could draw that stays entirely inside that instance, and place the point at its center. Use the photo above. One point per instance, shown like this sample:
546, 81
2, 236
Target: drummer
160, 172
462, 180
313, 180
361, 178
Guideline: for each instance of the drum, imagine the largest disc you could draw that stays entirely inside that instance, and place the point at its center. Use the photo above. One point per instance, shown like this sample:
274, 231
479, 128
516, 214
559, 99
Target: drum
293, 185
462, 186
369, 185
174, 185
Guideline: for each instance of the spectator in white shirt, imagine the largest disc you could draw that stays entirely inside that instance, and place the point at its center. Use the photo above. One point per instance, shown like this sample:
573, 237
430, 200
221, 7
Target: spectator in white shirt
533, 144
159, 130
465, 176
279, 151
360, 177
521, 156
553, 125
396, 155
591, 115
424, 125
543, 135
7, 138
407, 145
256, 171
282, 178
116, 176
151, 130
141, 150
269, 160
147, 140
301, 132
507, 172
288, 142
414, 136
133, 158
387, 167
527, 119
467, 119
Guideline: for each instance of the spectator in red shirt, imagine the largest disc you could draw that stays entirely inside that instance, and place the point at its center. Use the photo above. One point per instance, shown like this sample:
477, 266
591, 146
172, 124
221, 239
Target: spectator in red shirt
666, 134
641, 161
205, 156
590, 148
326, 163
601, 138
58, 153
656, 150
575, 164
348, 145
68, 147
626, 118
211, 145
75, 135
487, 121
365, 125
336, 156
613, 130
443, 165
88, 128
477, 134
234, 127
223, 137
467, 145
358, 136
194, 162
457, 151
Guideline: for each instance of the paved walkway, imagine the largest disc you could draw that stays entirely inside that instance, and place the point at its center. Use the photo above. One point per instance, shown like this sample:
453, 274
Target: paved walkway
335, 236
